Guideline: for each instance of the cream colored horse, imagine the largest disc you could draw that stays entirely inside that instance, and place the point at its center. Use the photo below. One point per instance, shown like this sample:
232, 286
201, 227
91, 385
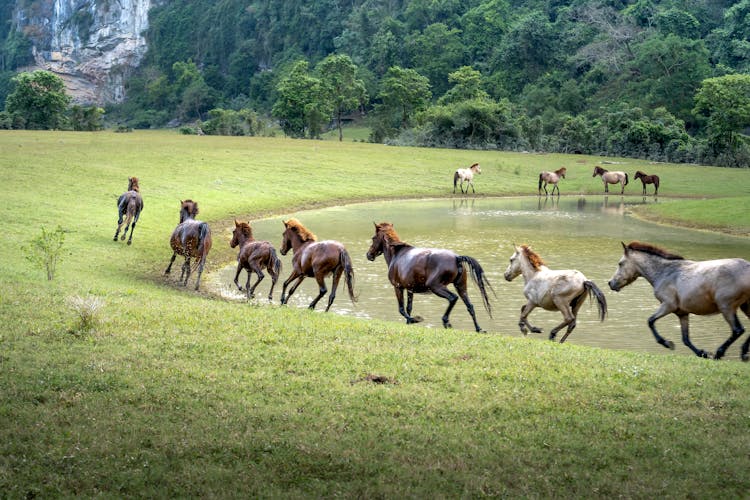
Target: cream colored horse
687, 287
466, 175
558, 290
551, 178
616, 177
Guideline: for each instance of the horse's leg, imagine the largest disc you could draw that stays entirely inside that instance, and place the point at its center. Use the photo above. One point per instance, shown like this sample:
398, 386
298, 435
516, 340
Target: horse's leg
569, 319
442, 291
746, 346
334, 285
469, 307
523, 322
684, 326
737, 331
402, 311
186, 270
274, 279
622, 183
237, 277
201, 263
663, 310
293, 276
171, 261
606, 187
128, 218
132, 227
471, 183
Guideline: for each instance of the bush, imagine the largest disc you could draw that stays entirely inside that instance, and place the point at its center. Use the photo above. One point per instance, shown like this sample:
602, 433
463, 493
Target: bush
46, 251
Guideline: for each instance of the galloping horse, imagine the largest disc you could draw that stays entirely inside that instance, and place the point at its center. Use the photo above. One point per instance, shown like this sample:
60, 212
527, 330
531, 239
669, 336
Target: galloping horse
608, 178
687, 287
551, 178
315, 259
421, 270
191, 239
129, 204
467, 175
648, 179
560, 290
253, 257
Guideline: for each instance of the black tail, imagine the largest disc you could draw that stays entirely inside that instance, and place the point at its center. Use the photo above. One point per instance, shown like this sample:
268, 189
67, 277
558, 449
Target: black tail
455, 180
626, 178
540, 182
601, 301
480, 278
346, 262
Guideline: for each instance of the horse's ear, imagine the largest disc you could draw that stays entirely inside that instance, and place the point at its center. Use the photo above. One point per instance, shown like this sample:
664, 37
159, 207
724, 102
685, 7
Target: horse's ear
236, 223
285, 223
624, 247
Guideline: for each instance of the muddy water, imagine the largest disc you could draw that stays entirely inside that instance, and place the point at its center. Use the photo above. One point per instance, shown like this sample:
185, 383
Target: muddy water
569, 233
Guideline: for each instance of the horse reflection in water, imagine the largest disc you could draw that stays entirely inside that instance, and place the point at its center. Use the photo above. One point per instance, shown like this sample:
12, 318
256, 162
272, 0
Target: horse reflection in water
129, 206
254, 256
687, 287
421, 270
553, 290
316, 259
191, 239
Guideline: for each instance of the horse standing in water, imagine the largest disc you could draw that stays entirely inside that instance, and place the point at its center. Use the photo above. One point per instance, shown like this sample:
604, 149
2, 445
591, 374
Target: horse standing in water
316, 259
191, 239
558, 290
648, 179
421, 270
687, 287
129, 206
608, 178
253, 257
466, 175
551, 178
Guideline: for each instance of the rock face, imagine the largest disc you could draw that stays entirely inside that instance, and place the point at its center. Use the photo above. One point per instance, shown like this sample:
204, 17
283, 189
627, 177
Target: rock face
91, 44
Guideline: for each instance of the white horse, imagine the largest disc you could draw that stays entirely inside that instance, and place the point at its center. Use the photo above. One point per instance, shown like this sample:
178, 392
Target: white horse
551, 178
687, 287
616, 177
560, 290
466, 175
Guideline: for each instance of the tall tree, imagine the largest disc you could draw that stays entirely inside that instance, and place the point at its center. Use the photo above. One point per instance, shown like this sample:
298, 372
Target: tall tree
39, 98
404, 92
725, 101
300, 106
341, 87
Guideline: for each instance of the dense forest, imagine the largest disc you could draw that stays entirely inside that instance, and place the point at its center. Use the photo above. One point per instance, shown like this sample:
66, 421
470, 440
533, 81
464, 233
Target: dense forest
661, 79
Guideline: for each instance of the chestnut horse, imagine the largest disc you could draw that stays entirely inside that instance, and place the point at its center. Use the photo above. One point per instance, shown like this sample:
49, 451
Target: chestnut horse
253, 257
421, 270
129, 206
466, 175
315, 259
648, 179
608, 178
191, 239
552, 290
687, 287
551, 178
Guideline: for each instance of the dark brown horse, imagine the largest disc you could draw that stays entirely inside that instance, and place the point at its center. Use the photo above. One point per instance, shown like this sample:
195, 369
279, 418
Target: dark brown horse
648, 179
616, 177
551, 178
191, 239
421, 270
253, 257
316, 259
129, 206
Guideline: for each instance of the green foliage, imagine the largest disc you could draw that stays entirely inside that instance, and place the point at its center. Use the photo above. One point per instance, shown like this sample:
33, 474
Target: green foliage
85, 118
403, 93
46, 250
302, 108
230, 122
39, 99
340, 86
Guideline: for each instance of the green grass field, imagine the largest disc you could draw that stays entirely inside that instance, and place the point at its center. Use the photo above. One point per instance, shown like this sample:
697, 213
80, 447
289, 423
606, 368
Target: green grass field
176, 393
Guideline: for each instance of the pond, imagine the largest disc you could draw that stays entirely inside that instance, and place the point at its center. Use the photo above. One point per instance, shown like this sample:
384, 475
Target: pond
581, 233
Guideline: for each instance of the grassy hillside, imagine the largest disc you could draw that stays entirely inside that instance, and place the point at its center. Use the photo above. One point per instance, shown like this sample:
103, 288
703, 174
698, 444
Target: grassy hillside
179, 393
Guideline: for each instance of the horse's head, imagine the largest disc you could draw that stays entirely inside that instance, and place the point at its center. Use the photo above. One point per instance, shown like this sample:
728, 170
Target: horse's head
242, 232
639, 174
562, 172
627, 269
294, 234
188, 210
133, 184
476, 168
598, 171
379, 240
514, 267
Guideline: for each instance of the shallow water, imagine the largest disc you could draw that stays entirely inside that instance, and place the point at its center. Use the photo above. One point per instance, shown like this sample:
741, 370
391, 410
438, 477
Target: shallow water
568, 233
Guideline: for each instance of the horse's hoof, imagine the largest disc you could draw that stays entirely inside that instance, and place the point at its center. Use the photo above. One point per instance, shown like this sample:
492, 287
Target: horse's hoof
669, 345
745, 357
129, 242
707, 355
534, 329
122, 238
115, 238
447, 325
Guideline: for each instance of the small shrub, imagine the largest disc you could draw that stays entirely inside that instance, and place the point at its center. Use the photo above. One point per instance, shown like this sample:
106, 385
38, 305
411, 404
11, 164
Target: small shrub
86, 310
46, 250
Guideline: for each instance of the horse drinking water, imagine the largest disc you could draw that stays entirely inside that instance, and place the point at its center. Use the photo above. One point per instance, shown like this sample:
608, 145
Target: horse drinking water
191, 239
648, 179
421, 270
129, 206
687, 287
254, 256
551, 178
466, 175
315, 259
558, 290
608, 178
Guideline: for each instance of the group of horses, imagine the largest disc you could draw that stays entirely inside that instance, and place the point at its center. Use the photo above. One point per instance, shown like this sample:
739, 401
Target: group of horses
683, 287
613, 177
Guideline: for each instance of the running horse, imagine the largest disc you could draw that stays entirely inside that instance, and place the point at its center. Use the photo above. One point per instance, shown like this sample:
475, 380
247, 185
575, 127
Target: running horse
315, 259
685, 287
421, 270
608, 178
648, 179
552, 290
551, 178
191, 239
466, 175
253, 257
129, 206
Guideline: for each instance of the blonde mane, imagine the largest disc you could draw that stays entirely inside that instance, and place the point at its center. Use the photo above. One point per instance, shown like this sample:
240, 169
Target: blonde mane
302, 231
534, 259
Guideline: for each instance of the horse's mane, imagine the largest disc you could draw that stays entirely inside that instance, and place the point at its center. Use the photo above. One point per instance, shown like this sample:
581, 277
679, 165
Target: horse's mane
304, 233
561, 171
653, 250
474, 165
533, 257
600, 169
389, 233
195, 210
245, 229
133, 184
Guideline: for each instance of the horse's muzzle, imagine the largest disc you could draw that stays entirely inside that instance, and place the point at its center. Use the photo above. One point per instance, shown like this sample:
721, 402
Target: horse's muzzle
614, 286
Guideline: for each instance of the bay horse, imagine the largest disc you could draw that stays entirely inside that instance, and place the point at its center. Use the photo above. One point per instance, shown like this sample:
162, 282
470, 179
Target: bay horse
608, 178
648, 179
466, 175
685, 287
551, 178
315, 259
552, 290
191, 239
129, 206
253, 257
421, 270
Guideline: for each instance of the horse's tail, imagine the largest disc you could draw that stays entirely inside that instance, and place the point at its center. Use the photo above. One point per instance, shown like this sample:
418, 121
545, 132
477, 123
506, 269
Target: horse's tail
595, 292
346, 263
656, 182
455, 180
204, 239
540, 181
480, 278
626, 178
275, 262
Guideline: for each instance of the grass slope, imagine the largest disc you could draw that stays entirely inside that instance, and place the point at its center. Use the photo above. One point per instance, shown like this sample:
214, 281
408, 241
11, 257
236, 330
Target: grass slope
178, 393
